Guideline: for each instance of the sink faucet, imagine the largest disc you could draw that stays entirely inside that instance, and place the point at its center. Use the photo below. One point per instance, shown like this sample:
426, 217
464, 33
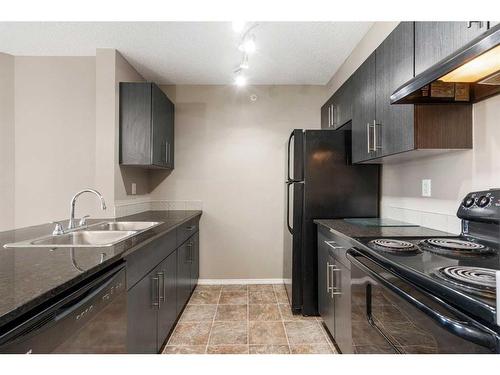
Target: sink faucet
72, 222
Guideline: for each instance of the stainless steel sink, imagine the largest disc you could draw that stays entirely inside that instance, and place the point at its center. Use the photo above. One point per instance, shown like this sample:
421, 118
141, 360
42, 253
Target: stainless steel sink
96, 235
124, 225
84, 238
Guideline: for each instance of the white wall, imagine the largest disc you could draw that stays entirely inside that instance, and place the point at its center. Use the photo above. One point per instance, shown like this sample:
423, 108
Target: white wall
230, 154
7, 206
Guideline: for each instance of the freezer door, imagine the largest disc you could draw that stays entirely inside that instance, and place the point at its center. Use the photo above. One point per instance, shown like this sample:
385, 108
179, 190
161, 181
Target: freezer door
295, 156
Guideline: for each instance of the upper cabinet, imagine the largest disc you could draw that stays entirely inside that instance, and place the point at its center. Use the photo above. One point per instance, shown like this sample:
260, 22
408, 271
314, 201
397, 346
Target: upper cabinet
337, 111
436, 40
383, 132
394, 127
146, 126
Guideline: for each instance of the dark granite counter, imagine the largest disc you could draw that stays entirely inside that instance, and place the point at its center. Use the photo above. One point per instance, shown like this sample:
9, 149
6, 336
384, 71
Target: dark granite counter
347, 229
31, 276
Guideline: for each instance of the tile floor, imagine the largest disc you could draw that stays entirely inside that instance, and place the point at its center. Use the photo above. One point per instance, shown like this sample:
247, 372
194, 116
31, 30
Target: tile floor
245, 319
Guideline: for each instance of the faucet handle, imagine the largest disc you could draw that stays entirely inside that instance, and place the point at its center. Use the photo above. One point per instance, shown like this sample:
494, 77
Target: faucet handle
58, 230
83, 220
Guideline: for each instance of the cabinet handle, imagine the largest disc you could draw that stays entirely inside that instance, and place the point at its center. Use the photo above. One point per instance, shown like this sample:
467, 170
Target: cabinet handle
155, 292
190, 228
331, 115
161, 289
167, 152
328, 277
479, 23
190, 247
334, 290
329, 120
368, 137
333, 244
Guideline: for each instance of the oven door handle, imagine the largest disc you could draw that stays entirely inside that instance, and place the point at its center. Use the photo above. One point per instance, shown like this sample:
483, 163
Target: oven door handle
459, 328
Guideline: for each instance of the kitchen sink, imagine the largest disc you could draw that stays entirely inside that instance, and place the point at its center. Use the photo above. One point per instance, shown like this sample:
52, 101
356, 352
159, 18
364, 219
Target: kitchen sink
95, 235
84, 238
123, 226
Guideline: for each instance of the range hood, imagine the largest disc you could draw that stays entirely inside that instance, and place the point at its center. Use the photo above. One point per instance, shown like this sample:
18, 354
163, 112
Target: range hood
469, 75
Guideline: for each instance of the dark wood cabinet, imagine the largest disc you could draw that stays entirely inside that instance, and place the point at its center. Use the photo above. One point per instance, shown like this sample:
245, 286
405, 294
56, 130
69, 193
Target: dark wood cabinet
363, 114
382, 132
146, 126
334, 287
159, 288
195, 260
436, 40
142, 310
183, 275
337, 111
167, 309
393, 130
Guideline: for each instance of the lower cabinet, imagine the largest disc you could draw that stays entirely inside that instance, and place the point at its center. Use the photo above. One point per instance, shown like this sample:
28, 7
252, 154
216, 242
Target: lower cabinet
334, 289
155, 302
183, 276
167, 300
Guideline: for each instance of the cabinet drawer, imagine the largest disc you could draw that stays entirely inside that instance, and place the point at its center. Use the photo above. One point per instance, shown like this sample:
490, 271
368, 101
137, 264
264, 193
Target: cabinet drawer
186, 230
141, 261
336, 245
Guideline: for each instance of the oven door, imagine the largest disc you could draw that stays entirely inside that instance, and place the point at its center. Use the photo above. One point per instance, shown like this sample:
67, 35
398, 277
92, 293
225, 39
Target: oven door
390, 315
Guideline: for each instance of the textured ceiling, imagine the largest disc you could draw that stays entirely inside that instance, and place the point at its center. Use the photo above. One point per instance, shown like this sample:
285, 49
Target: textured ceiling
197, 52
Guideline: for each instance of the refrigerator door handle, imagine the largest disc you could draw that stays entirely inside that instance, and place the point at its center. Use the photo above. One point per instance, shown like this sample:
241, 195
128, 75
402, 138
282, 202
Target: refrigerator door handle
288, 157
288, 184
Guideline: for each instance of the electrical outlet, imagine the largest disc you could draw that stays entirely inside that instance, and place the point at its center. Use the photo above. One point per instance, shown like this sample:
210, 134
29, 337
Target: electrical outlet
426, 188
134, 188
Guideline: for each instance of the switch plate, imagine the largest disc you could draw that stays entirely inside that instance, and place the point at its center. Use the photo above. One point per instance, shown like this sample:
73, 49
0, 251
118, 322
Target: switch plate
134, 188
426, 188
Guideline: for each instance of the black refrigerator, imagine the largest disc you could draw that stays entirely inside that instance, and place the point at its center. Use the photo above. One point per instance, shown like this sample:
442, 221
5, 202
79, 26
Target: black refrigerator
321, 183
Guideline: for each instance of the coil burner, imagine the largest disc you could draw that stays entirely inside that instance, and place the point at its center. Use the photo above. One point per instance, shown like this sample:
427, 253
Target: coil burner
454, 247
475, 280
393, 246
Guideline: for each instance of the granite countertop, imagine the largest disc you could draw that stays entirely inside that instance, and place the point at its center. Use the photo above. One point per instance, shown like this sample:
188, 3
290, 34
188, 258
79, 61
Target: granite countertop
31, 276
360, 231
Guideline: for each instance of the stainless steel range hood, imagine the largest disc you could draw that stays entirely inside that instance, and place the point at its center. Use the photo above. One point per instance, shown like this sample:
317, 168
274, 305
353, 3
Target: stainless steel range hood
469, 75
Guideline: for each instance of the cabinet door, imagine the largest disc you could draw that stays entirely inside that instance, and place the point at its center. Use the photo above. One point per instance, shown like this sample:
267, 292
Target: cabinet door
342, 301
195, 259
325, 301
142, 309
183, 276
170, 133
342, 104
363, 114
325, 115
394, 130
436, 40
160, 118
167, 312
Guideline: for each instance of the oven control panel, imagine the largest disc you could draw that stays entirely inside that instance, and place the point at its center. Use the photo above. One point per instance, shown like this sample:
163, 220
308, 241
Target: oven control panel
481, 206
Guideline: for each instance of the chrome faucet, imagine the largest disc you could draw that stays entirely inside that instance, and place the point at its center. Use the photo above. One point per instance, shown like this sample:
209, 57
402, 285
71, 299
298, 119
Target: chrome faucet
72, 222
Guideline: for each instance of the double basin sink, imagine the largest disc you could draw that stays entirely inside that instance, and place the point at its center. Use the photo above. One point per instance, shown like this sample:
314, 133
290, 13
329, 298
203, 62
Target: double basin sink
94, 235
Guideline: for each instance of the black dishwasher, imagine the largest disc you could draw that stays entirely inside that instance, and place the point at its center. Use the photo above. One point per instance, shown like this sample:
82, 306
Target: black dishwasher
92, 319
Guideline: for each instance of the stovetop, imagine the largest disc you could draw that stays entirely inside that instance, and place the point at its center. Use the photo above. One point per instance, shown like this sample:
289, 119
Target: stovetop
454, 273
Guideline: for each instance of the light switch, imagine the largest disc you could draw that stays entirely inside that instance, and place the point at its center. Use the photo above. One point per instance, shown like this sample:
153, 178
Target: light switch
134, 188
426, 188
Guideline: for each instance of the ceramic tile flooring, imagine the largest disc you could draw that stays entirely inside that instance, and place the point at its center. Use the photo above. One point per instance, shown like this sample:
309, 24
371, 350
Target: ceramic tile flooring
245, 319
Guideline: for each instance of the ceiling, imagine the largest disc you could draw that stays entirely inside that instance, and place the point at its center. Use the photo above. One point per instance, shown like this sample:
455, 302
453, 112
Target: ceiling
197, 52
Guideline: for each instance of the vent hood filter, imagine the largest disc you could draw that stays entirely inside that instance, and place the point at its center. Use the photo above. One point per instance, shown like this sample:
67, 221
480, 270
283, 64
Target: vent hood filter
470, 74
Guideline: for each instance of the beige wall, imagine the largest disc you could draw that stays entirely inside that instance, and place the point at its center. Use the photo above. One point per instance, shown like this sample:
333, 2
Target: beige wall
377, 33
230, 154
111, 69
453, 175
6, 141
54, 136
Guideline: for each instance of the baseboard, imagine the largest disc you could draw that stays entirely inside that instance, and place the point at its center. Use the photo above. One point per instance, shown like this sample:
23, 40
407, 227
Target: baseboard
238, 281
